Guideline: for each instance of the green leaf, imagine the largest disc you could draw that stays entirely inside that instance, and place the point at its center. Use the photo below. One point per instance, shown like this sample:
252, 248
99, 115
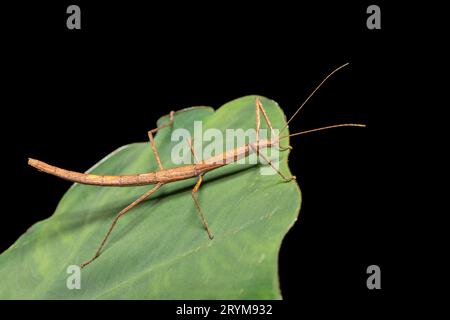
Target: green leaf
159, 250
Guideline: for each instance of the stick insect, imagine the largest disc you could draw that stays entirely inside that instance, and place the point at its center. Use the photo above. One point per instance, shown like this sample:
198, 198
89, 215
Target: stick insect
198, 169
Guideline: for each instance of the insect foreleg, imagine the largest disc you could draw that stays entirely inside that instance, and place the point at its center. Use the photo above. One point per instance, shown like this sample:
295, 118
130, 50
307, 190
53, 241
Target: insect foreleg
259, 107
254, 149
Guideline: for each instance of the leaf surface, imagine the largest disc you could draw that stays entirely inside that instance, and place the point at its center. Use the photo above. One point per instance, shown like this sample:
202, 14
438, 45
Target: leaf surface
159, 250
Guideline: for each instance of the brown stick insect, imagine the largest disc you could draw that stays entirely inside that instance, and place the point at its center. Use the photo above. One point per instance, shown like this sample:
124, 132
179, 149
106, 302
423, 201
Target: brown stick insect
198, 169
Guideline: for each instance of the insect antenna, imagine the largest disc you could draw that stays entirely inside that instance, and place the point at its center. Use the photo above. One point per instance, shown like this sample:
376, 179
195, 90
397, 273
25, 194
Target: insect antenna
311, 94
323, 128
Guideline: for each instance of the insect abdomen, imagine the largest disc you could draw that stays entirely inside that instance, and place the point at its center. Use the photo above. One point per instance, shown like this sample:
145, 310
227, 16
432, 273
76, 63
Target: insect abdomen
92, 179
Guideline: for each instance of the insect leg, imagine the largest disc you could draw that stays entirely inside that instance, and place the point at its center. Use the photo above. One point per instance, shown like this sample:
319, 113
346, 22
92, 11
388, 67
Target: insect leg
193, 150
194, 191
121, 213
272, 165
258, 124
259, 106
152, 140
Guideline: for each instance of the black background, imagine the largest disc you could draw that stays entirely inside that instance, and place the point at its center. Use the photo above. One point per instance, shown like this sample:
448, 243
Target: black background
73, 96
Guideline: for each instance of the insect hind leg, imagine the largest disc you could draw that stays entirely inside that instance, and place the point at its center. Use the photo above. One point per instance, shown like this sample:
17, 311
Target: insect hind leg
113, 224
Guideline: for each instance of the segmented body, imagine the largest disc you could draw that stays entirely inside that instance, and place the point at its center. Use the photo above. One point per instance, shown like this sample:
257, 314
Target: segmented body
162, 176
